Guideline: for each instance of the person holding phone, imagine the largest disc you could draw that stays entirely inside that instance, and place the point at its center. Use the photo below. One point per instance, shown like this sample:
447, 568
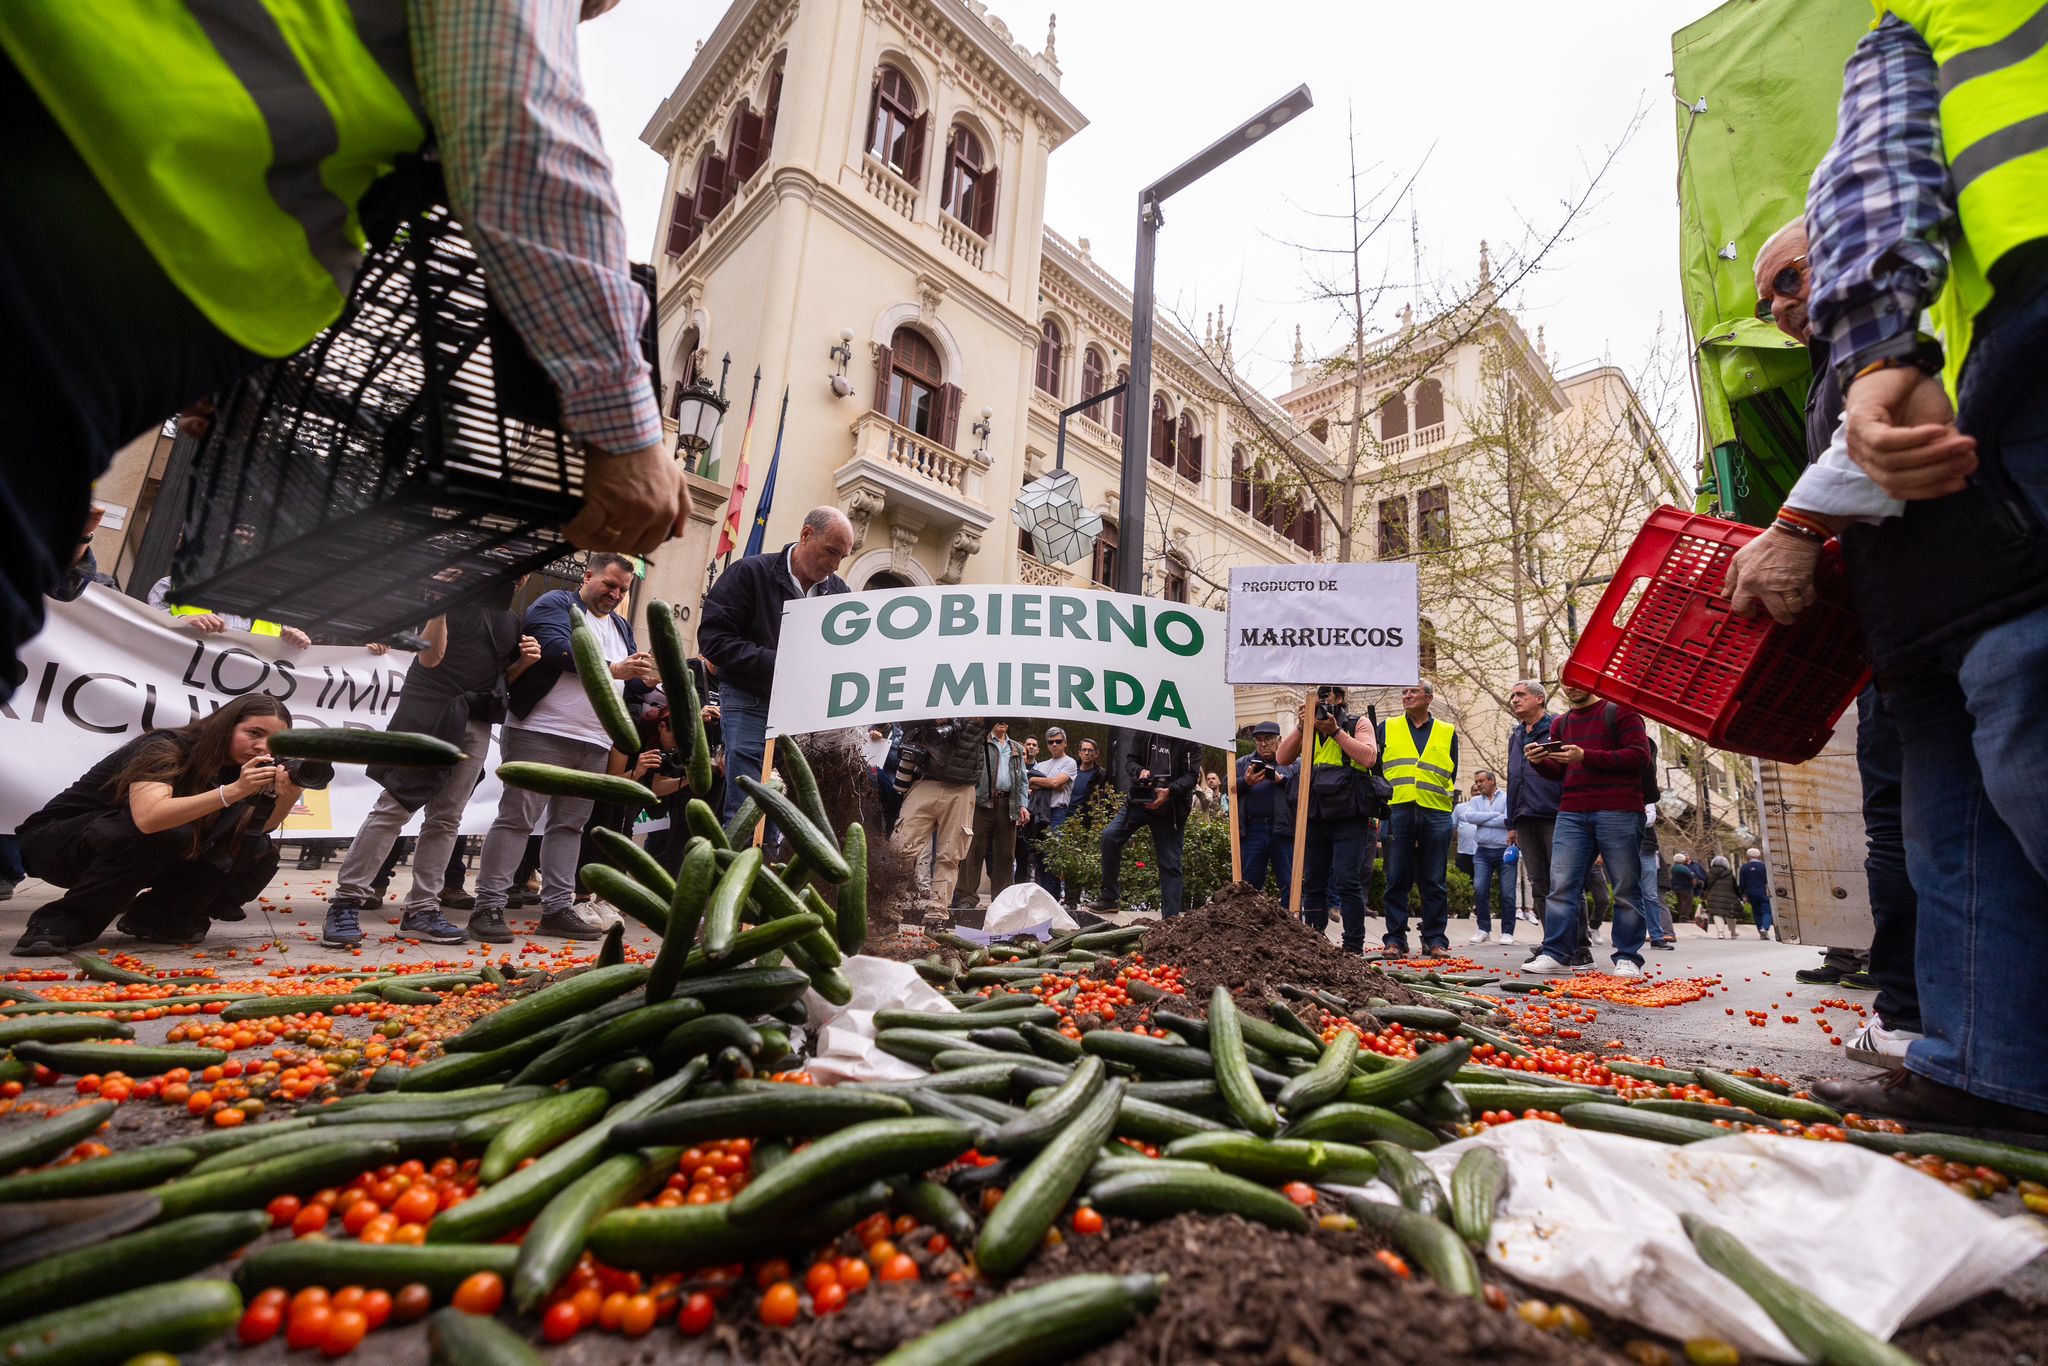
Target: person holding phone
1532, 803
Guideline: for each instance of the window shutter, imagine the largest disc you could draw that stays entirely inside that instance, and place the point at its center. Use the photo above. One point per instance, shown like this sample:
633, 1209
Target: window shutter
716, 184
985, 204
679, 224
948, 426
1193, 457
874, 110
883, 358
747, 146
913, 148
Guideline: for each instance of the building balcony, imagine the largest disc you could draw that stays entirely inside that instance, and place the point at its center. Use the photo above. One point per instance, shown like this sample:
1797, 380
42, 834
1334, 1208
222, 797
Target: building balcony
892, 189
1040, 573
917, 473
1432, 435
963, 241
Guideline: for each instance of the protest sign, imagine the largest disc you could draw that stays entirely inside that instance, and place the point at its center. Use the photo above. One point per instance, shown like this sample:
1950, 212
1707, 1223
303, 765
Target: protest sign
909, 654
106, 668
1302, 624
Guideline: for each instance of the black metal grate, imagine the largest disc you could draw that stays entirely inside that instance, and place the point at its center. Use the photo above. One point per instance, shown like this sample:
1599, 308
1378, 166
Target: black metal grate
405, 461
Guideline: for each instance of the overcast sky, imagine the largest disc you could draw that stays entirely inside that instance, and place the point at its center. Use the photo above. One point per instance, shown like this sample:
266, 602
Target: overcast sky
1500, 111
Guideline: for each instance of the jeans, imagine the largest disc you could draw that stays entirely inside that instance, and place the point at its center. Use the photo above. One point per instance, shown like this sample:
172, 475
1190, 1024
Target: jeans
438, 831
1654, 909
1894, 908
1488, 873
10, 860
1333, 869
1418, 845
743, 719
1268, 849
1168, 832
106, 863
519, 811
1046, 877
1533, 835
1616, 837
1760, 911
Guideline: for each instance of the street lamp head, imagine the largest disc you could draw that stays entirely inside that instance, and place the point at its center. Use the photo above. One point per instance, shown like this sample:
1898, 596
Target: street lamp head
698, 414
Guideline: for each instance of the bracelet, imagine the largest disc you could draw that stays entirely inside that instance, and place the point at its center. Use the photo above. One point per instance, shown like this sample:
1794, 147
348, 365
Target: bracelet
1802, 532
1807, 520
222, 793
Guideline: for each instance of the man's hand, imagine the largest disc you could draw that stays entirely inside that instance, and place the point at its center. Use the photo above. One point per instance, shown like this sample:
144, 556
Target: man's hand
631, 502
294, 637
711, 712
648, 761
206, 624
1902, 431
1571, 756
378, 647
1774, 572
529, 649
640, 666
1158, 800
1511, 838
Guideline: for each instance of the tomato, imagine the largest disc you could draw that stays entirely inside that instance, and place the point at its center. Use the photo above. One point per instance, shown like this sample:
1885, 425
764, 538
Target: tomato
283, 1210
308, 1326
769, 1272
307, 1298
899, 1268
417, 1205
412, 1303
311, 1219
1300, 1192
880, 1251
480, 1294
696, 1314
828, 1299
260, 1323
1087, 1222
348, 1297
611, 1310
820, 1276
638, 1318
853, 1274
376, 1308
275, 1296
588, 1300
561, 1322
779, 1306
359, 1215
345, 1330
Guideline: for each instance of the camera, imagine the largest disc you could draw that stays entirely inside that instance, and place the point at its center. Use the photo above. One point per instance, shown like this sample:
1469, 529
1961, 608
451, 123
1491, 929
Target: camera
910, 765
308, 773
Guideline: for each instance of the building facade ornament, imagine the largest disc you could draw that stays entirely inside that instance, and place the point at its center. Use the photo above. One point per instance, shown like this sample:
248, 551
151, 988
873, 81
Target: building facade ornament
862, 503
964, 543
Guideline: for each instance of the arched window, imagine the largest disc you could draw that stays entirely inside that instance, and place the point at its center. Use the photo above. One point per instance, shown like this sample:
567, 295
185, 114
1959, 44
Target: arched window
1116, 405
1188, 449
1262, 493
970, 184
1103, 569
1240, 479
896, 129
1162, 432
712, 185
910, 388
744, 148
1174, 585
1052, 349
1429, 404
1393, 527
1308, 528
1320, 429
1394, 416
1092, 367
687, 352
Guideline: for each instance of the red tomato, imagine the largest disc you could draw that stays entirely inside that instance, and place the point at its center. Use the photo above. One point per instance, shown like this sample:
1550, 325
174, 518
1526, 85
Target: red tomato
853, 1274
610, 1310
376, 1307
696, 1314
283, 1210
561, 1322
828, 1299
819, 1276
899, 1268
260, 1323
308, 1326
779, 1306
417, 1205
345, 1330
311, 1219
412, 1303
1300, 1192
480, 1294
1087, 1222
638, 1320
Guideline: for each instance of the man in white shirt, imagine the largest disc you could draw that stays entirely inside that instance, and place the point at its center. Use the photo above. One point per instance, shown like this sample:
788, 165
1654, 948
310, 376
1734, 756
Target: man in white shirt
1052, 795
551, 721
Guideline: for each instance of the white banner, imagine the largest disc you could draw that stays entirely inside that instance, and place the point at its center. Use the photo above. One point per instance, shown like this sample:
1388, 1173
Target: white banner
107, 668
1303, 624
909, 654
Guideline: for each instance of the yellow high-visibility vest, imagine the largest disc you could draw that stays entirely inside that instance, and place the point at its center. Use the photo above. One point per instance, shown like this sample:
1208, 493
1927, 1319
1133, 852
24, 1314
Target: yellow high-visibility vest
257, 626
1425, 776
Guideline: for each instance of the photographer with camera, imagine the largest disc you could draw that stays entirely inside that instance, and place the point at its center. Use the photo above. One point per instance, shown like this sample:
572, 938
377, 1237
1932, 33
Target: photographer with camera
1265, 813
1341, 803
1161, 773
938, 767
164, 831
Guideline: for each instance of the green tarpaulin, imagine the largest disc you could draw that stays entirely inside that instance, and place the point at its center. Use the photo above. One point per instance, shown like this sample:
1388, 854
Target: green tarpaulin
1760, 81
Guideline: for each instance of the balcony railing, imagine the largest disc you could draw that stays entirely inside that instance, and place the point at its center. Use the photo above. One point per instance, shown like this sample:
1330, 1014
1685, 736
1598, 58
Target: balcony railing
1395, 445
920, 458
1041, 574
1425, 437
892, 189
965, 243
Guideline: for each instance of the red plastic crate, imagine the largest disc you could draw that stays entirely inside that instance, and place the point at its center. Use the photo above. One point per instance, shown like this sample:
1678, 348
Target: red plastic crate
1665, 642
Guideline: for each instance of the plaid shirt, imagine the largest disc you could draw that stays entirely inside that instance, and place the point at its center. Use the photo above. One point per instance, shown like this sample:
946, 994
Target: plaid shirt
528, 178
1880, 199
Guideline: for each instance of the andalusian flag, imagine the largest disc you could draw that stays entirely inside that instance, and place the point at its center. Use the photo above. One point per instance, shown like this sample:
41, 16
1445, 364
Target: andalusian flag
729, 533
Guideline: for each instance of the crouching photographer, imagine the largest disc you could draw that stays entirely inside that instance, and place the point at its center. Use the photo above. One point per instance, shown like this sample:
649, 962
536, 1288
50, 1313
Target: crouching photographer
1342, 800
167, 833
1160, 773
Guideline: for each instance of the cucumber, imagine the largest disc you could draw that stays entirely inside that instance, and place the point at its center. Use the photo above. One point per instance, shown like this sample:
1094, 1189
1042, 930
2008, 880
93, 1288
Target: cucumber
460, 1071
1106, 1167
814, 845
692, 1236
178, 1317
931, 1202
1626, 1119
1410, 1079
1152, 1123
853, 893
626, 1077
611, 952
251, 1185
601, 687
1346, 1122
150, 1256
404, 1106
1056, 1321
1154, 1057
1233, 1070
778, 1111
849, 1159
555, 1240
702, 823
555, 781
1009, 1017
2026, 1164
751, 944
1325, 1081
708, 1034
1442, 1106
622, 891
264, 1007
1428, 1018
701, 773
739, 826
803, 783
525, 1193
681, 687
558, 1001
728, 898
1002, 1039
99, 969
1278, 1159
1806, 1320
387, 748
921, 1046
458, 1339
136, 1060
1763, 1100
1190, 1093
1284, 1043
753, 990
1117, 938
1161, 1194
300, 1262
60, 1029
540, 1127
397, 993
29, 1145
1050, 1044
1699, 1109
1519, 1096
242, 1136
615, 1037
1477, 1184
691, 894
1015, 1228
1438, 1250
1414, 1183
1041, 1124
422, 1139
24, 1006
124, 1171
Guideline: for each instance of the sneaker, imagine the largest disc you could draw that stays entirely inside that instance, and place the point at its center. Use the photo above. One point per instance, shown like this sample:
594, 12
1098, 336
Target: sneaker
1822, 976
1581, 959
1623, 968
1479, 937
1543, 962
1101, 905
1763, 934
154, 934
458, 900
228, 913
562, 925
1505, 938
1859, 981
1878, 1046
341, 930
1599, 934
1665, 944
40, 944
489, 927
430, 926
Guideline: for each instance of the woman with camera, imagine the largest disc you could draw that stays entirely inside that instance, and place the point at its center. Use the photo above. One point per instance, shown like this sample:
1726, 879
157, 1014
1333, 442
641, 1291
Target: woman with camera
162, 832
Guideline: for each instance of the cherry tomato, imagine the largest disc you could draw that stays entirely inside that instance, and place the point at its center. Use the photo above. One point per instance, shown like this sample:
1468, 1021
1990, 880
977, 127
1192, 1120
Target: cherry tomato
779, 1306
853, 1274
480, 1294
819, 1276
417, 1205
308, 1326
899, 1268
1300, 1192
828, 1299
769, 1272
260, 1323
561, 1322
307, 1298
345, 1330
283, 1210
348, 1297
412, 1303
611, 1310
376, 1307
1087, 1222
696, 1314
588, 1300
638, 1319
311, 1219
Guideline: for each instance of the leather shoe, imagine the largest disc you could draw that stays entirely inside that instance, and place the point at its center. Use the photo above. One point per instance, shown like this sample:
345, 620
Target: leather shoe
1900, 1094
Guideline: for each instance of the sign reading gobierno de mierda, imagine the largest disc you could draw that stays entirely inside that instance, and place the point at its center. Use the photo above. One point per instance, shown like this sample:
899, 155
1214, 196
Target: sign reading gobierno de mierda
912, 654
1301, 625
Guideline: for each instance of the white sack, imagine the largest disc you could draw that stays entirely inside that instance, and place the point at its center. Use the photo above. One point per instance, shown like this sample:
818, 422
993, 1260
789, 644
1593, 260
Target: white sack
1026, 908
846, 1034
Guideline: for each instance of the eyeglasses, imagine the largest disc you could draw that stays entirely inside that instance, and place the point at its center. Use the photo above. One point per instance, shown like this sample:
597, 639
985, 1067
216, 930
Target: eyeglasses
1783, 285
1055, 741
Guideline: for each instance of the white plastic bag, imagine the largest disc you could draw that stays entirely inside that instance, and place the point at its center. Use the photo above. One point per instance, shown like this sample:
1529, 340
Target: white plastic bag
846, 1034
1026, 908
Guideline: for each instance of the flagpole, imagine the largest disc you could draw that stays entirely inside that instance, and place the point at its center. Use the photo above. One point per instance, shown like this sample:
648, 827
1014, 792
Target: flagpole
764, 500
729, 537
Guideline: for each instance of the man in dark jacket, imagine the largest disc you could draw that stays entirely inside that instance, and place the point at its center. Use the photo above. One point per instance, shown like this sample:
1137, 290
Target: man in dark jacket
940, 804
552, 722
455, 691
742, 625
1160, 774
1000, 793
1532, 809
1754, 878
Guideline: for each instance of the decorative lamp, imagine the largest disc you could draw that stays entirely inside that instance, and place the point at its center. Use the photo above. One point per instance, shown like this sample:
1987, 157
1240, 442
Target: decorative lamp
1049, 508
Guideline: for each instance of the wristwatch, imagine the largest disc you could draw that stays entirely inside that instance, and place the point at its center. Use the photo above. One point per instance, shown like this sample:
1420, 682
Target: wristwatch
1913, 349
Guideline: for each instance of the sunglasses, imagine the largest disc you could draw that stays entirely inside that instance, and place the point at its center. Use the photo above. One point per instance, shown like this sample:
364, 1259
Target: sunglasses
1786, 283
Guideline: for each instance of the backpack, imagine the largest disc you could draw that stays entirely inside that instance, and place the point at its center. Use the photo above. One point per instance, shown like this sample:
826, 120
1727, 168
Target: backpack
1652, 791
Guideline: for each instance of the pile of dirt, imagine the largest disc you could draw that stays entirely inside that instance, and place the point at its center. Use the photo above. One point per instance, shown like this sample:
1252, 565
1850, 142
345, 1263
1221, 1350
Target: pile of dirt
1245, 939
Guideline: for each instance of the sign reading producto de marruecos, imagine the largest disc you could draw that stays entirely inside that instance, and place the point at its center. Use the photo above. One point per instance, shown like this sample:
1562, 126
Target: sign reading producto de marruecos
1324, 623
911, 654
